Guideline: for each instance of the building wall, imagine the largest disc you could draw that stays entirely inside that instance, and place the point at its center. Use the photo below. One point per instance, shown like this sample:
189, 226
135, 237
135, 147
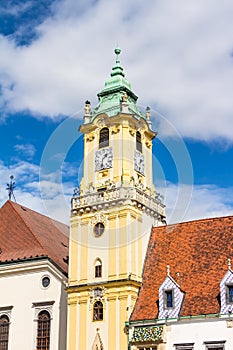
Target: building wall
195, 332
200, 331
22, 292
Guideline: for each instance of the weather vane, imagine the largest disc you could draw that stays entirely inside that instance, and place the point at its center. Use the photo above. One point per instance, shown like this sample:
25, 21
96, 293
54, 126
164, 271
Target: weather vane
10, 188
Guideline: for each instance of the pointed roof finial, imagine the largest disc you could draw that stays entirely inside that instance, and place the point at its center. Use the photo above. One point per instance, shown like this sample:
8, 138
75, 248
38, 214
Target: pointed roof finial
117, 52
168, 270
229, 264
117, 69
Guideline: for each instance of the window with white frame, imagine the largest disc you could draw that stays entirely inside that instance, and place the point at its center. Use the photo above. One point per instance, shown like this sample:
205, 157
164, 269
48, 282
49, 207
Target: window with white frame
43, 319
184, 346
229, 293
43, 331
4, 332
215, 345
5, 316
168, 298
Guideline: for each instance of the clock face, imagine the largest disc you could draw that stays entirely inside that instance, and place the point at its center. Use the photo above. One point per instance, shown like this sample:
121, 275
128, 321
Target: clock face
139, 164
103, 159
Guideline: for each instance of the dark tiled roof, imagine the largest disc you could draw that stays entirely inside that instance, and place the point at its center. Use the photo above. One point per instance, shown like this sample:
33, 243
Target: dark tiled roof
197, 252
26, 234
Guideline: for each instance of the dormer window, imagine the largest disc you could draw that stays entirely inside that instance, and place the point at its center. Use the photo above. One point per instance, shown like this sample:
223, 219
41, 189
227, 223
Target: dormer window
138, 141
226, 293
168, 299
104, 138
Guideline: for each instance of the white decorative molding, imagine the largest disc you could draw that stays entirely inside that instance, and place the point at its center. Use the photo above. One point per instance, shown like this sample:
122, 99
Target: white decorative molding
6, 310
41, 306
97, 293
99, 217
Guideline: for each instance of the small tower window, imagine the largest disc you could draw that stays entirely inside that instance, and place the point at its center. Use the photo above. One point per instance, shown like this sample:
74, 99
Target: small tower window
138, 141
99, 229
104, 138
98, 268
4, 332
98, 311
168, 298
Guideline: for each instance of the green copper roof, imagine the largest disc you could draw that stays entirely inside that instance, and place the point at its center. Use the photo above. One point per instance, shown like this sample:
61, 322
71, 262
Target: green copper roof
110, 97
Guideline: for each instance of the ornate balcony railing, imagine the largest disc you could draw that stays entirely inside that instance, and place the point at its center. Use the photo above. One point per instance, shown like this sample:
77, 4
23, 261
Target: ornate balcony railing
117, 196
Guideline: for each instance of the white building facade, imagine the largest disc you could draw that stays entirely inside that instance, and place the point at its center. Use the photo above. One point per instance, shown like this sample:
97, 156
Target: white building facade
32, 294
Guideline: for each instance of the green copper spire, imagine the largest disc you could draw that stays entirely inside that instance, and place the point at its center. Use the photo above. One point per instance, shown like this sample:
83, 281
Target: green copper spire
117, 69
110, 98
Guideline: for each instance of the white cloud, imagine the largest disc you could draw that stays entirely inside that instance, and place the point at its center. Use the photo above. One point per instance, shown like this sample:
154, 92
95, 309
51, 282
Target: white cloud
47, 197
14, 9
186, 202
27, 150
52, 197
177, 56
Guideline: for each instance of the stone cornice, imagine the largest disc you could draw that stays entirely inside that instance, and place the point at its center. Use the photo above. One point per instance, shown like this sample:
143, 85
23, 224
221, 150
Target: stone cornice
121, 283
29, 266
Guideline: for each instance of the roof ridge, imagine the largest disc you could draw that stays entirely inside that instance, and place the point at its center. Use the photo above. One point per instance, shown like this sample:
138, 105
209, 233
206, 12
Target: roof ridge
37, 213
196, 220
42, 246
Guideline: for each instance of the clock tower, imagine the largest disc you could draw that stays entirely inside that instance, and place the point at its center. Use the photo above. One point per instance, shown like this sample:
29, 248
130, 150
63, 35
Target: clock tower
111, 217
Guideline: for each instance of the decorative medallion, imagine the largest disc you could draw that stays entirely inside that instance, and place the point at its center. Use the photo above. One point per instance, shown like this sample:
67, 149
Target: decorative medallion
99, 217
97, 294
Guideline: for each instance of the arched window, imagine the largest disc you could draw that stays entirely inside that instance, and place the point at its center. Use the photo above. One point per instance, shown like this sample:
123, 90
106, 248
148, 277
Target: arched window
138, 141
4, 332
98, 311
43, 331
104, 138
98, 268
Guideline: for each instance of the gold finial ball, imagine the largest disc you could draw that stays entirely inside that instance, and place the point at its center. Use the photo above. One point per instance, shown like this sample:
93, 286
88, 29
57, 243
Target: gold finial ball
117, 51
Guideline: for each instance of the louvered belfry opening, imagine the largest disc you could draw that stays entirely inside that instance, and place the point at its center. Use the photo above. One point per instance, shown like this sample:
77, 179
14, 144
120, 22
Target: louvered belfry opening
104, 138
138, 141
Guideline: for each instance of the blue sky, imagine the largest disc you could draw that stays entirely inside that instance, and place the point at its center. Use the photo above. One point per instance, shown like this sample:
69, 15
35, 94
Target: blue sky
177, 55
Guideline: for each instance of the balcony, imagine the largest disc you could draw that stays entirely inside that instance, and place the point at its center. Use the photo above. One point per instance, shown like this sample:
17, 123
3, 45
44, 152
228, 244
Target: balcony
152, 204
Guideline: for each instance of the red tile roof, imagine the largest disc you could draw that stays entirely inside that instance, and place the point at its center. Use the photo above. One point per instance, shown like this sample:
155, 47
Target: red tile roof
26, 234
197, 252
